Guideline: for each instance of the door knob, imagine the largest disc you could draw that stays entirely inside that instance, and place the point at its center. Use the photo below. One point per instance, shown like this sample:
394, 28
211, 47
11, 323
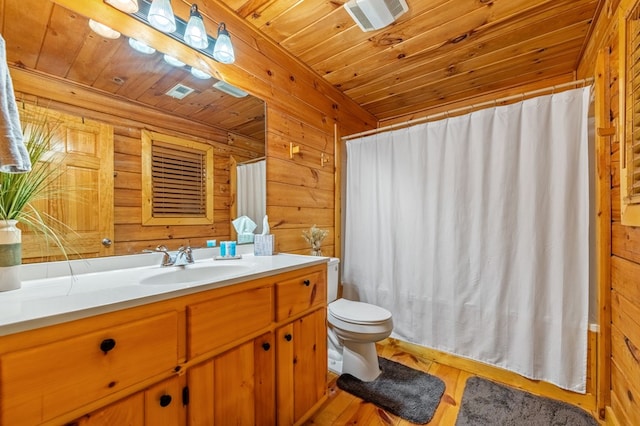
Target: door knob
106, 242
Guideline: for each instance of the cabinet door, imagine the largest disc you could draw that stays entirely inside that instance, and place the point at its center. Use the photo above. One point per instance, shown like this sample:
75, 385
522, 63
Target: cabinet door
236, 387
301, 366
44, 382
163, 404
126, 412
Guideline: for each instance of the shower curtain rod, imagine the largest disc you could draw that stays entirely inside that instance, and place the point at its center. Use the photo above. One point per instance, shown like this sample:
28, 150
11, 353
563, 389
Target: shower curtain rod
253, 160
469, 108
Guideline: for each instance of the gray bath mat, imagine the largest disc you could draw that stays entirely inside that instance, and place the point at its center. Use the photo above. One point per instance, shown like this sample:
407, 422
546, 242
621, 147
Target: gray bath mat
485, 403
400, 390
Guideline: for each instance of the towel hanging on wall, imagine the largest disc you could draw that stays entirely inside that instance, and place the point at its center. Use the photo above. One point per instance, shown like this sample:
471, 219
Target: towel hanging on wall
14, 157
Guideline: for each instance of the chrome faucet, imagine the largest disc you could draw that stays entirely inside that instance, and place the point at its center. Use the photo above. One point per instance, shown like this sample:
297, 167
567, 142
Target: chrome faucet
183, 257
167, 259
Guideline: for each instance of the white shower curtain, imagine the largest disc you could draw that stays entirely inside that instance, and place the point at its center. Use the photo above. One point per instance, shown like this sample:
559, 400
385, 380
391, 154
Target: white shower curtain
473, 232
252, 191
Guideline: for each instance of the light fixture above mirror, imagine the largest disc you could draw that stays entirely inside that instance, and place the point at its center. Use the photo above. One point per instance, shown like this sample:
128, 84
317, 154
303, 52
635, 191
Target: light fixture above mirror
195, 35
159, 14
127, 6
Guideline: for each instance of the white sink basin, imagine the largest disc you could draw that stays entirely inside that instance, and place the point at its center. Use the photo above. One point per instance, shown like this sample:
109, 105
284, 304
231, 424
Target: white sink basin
188, 274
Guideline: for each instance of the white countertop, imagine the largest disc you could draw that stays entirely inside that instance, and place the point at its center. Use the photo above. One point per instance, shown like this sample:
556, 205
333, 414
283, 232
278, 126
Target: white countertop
50, 294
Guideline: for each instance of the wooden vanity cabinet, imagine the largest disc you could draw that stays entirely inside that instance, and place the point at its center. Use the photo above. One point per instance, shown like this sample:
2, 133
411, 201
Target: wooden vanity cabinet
159, 405
236, 387
301, 345
40, 383
253, 353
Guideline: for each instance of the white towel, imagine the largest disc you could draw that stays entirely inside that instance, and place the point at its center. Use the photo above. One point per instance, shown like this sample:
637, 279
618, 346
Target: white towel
14, 157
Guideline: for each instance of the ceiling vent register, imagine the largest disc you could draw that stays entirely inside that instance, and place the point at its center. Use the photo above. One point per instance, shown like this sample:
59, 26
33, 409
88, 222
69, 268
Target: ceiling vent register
375, 14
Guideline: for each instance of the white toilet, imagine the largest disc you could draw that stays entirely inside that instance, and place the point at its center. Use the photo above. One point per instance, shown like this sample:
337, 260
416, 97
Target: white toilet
354, 327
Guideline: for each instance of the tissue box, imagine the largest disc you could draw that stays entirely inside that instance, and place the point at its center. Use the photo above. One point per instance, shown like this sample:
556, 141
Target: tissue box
245, 238
263, 245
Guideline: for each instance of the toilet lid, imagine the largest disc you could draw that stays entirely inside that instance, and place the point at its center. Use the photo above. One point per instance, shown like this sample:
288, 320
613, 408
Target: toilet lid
358, 312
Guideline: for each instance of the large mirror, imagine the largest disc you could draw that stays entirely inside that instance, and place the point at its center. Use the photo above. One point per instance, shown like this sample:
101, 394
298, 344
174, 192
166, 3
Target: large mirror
52, 51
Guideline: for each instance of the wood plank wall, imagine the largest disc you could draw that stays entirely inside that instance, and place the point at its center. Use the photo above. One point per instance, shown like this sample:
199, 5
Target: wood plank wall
301, 109
623, 403
130, 235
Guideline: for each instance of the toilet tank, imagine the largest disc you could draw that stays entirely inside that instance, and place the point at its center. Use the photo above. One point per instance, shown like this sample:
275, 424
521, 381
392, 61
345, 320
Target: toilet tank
333, 277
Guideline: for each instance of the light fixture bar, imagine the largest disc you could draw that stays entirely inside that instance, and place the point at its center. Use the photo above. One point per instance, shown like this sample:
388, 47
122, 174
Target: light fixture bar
178, 34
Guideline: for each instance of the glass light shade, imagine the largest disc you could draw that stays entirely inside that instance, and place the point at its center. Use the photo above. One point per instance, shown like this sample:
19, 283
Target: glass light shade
200, 74
173, 61
127, 6
141, 47
161, 16
223, 49
103, 30
195, 35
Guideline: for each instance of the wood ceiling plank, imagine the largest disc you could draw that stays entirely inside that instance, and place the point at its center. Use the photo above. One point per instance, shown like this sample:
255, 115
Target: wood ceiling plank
304, 13
458, 87
432, 28
145, 72
94, 54
540, 47
264, 15
416, 51
514, 69
119, 68
62, 42
156, 93
486, 44
24, 32
423, 14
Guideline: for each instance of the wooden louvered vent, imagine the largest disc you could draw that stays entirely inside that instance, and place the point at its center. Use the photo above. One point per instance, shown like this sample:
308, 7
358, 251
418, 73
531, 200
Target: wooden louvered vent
632, 151
179, 181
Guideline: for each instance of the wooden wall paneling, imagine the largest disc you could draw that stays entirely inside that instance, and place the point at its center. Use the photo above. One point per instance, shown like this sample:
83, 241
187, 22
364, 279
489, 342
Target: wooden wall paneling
602, 160
603, 28
626, 242
626, 411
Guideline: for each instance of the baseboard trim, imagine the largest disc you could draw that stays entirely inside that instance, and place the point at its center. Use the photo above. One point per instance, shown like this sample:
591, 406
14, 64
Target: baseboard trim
537, 387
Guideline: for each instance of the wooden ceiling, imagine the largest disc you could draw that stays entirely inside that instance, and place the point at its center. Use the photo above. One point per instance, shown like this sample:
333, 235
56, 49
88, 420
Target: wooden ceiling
438, 52
49, 39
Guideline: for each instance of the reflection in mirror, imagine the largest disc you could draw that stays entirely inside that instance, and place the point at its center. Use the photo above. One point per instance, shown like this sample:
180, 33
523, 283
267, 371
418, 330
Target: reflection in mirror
59, 49
249, 208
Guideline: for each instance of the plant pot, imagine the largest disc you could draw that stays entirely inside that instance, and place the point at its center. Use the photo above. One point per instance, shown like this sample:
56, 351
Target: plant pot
10, 255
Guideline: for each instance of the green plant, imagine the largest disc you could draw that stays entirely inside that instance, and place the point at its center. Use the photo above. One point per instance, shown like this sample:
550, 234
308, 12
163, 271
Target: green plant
19, 192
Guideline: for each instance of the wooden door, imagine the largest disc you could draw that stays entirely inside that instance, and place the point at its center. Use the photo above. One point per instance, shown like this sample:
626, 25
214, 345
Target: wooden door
82, 197
301, 366
236, 387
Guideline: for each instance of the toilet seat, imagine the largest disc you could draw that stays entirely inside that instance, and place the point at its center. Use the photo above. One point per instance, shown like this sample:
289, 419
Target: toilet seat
354, 312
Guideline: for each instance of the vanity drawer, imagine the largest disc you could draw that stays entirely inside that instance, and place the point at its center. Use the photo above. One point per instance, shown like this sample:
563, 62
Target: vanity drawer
223, 320
44, 382
300, 293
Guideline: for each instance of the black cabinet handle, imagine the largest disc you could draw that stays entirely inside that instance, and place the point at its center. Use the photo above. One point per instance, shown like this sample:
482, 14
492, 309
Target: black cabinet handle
307, 282
107, 344
165, 400
287, 337
266, 346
